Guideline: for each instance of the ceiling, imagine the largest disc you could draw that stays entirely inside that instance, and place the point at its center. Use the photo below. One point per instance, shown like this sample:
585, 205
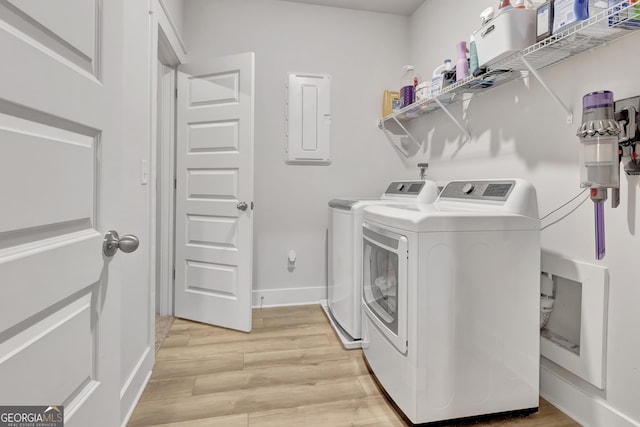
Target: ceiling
398, 7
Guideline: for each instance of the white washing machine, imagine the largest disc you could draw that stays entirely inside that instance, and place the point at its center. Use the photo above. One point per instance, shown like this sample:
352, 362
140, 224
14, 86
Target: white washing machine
344, 290
451, 294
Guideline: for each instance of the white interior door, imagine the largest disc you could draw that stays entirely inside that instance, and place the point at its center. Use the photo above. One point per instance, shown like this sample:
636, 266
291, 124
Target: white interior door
214, 195
60, 95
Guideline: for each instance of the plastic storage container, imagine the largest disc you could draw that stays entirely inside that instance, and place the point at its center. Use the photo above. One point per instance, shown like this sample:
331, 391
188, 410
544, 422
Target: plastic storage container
509, 32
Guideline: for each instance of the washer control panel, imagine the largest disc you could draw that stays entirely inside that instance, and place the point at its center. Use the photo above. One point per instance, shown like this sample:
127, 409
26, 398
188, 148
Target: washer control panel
409, 188
478, 190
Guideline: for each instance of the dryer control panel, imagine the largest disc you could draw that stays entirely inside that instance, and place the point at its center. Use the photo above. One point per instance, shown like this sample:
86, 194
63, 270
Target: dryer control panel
478, 190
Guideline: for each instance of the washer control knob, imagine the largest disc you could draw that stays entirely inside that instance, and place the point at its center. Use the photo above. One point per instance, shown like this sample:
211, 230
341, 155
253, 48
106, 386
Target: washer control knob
468, 188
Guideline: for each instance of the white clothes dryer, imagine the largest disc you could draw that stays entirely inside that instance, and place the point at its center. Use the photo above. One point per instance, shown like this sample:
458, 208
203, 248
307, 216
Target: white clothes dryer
344, 289
451, 294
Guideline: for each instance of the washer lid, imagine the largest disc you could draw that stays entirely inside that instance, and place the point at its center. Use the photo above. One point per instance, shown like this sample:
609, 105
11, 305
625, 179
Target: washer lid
432, 218
347, 204
467, 206
397, 192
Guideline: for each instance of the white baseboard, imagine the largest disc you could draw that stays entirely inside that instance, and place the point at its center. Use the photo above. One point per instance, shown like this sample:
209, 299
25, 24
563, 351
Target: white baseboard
589, 411
289, 296
133, 388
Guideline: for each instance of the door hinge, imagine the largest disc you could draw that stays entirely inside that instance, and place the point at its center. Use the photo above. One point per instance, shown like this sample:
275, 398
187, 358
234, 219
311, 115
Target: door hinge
176, 92
251, 205
174, 274
175, 183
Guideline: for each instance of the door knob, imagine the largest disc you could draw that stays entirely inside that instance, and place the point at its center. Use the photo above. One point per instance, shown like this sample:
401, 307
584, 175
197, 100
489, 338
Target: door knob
112, 242
242, 206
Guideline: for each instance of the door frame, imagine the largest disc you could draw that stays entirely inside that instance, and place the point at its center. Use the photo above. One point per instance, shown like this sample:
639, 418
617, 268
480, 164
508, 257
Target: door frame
165, 191
168, 48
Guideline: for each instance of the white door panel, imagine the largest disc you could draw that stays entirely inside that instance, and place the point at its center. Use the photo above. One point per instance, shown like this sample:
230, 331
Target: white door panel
48, 194
70, 375
60, 135
214, 171
76, 27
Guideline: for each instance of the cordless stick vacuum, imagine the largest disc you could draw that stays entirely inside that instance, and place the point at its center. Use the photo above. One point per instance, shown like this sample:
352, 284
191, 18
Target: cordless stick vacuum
600, 164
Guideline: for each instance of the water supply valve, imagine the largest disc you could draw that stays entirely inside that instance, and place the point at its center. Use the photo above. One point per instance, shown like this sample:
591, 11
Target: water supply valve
423, 170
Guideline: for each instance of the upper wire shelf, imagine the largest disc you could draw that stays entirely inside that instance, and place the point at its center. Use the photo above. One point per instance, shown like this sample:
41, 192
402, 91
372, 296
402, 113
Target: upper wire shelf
604, 27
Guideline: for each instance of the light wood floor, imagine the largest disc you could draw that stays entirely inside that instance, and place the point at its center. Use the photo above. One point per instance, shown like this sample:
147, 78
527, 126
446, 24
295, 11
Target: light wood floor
291, 370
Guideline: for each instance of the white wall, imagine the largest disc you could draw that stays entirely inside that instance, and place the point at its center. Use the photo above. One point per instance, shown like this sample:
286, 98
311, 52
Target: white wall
518, 131
363, 52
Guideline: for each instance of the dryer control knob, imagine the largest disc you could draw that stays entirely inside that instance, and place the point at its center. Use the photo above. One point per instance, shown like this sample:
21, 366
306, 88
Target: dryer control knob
468, 188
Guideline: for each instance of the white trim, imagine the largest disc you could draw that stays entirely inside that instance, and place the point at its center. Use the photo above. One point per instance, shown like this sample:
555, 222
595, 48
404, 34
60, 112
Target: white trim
164, 39
289, 296
589, 411
127, 417
174, 29
166, 53
133, 388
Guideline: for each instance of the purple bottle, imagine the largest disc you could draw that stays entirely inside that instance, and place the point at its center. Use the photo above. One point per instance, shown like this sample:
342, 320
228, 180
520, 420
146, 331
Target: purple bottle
462, 66
408, 87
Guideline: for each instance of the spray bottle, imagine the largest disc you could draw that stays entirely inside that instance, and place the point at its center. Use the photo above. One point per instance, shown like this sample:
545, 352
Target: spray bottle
504, 5
462, 66
473, 56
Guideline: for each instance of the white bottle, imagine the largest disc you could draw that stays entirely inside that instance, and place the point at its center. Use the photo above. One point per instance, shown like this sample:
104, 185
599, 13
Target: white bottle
436, 78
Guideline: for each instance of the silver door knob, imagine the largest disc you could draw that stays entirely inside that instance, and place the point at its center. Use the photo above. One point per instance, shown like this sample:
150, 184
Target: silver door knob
242, 206
112, 242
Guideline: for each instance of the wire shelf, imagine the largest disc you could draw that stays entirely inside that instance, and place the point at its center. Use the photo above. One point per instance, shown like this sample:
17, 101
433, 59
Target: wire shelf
604, 27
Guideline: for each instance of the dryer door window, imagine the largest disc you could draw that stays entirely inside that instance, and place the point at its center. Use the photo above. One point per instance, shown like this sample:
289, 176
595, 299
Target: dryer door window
381, 284
384, 274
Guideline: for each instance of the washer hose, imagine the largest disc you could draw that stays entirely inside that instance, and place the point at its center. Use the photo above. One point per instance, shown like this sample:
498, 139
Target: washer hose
547, 297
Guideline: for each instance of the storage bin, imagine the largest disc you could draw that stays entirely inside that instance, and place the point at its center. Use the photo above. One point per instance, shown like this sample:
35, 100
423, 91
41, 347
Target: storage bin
507, 33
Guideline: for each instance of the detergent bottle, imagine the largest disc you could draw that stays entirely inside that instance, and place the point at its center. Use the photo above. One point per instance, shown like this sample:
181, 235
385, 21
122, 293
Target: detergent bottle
462, 66
388, 100
436, 77
408, 85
